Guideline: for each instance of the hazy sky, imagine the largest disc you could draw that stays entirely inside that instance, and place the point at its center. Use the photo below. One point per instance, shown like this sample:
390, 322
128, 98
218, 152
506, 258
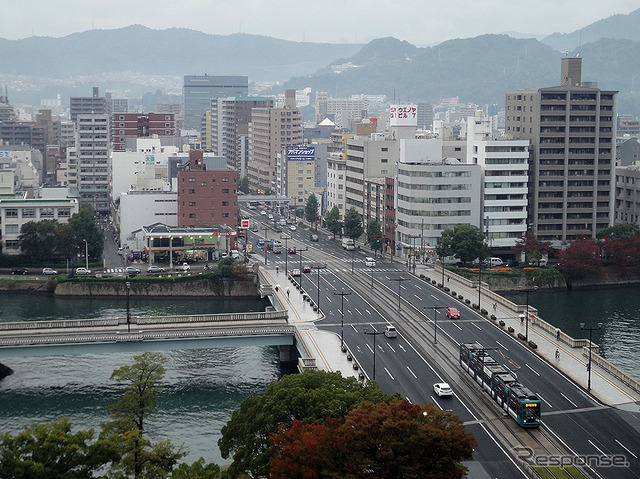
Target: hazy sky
421, 22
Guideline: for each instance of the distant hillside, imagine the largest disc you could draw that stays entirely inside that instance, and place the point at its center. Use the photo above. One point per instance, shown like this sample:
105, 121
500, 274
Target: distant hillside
479, 70
624, 27
166, 52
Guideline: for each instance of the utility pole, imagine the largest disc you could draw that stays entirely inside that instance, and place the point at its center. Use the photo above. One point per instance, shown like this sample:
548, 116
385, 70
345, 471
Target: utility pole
342, 295
399, 280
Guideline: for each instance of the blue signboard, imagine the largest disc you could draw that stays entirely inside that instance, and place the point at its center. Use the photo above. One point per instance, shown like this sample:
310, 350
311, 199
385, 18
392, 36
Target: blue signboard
301, 153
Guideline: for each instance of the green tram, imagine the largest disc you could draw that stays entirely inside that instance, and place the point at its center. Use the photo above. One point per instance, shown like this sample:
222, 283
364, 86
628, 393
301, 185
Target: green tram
501, 384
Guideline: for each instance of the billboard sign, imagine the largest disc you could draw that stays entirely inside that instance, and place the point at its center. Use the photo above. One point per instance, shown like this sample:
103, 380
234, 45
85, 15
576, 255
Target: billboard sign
301, 153
403, 115
244, 224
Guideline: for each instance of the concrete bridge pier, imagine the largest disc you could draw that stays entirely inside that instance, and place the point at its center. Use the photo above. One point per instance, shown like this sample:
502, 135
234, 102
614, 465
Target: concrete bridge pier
289, 354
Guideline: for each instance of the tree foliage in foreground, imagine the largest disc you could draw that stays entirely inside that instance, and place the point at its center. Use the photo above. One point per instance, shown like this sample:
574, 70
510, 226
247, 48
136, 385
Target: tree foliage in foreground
387, 440
140, 384
52, 451
334, 223
352, 224
307, 397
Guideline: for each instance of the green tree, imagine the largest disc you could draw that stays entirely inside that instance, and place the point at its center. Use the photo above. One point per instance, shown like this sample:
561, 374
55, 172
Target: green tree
38, 240
619, 232
310, 396
334, 224
140, 384
465, 242
311, 210
243, 184
52, 451
82, 226
352, 224
197, 470
533, 248
374, 235
387, 440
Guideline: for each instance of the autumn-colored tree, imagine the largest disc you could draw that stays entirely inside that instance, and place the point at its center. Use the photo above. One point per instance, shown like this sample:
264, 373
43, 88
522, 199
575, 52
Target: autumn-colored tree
533, 248
580, 259
394, 440
307, 397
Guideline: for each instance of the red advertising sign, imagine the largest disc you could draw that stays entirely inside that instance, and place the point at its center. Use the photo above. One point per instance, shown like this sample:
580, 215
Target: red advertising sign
244, 223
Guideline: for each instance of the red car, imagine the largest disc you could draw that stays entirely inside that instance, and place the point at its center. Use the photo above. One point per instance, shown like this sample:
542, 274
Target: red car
306, 269
292, 251
453, 313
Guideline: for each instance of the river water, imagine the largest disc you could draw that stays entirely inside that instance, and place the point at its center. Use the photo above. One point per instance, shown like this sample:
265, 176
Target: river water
204, 387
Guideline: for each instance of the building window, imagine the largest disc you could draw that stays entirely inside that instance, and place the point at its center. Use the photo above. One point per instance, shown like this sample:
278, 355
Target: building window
192, 203
121, 117
11, 244
192, 215
11, 213
225, 190
192, 180
29, 213
46, 212
203, 183
12, 229
225, 203
225, 180
192, 191
64, 212
225, 215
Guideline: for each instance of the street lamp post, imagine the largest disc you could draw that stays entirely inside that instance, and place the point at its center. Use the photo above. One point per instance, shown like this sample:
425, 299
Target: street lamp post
286, 239
128, 285
265, 229
435, 321
374, 334
591, 329
399, 280
526, 331
479, 282
86, 254
318, 267
353, 253
342, 294
300, 253
413, 250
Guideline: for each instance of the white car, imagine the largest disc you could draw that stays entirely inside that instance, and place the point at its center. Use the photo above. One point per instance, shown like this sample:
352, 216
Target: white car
390, 331
49, 272
132, 270
292, 227
442, 390
83, 271
295, 272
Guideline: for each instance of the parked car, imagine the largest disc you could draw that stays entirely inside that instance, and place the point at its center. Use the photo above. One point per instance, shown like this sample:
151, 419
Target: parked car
295, 272
442, 389
19, 270
49, 271
155, 269
313, 237
83, 271
453, 313
390, 331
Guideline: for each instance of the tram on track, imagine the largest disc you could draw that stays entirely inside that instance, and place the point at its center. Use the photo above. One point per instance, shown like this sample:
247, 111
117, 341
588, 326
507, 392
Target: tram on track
501, 384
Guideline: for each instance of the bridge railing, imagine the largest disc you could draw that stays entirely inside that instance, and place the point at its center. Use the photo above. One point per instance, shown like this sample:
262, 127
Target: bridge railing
68, 324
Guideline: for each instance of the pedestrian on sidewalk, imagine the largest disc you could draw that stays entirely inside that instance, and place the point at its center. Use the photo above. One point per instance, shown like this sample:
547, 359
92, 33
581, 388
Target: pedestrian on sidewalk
495, 307
288, 291
558, 334
557, 355
277, 268
521, 319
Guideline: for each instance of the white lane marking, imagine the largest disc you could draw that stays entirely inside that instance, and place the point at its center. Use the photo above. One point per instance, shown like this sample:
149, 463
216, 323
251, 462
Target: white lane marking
457, 326
368, 312
407, 398
574, 404
534, 371
354, 328
390, 375
436, 403
505, 348
389, 346
476, 326
599, 450
417, 286
417, 297
402, 347
435, 298
369, 348
626, 449
373, 327
544, 400
358, 311
409, 369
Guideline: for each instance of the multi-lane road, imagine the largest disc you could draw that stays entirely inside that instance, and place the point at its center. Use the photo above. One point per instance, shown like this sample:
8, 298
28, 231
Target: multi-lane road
574, 423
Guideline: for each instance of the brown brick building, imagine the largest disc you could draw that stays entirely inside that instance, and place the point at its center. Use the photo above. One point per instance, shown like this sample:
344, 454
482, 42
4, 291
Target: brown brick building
140, 125
206, 197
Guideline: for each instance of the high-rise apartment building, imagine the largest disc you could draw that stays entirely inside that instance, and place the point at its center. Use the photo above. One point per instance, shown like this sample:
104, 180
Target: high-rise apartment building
93, 173
271, 130
229, 130
572, 131
198, 91
90, 105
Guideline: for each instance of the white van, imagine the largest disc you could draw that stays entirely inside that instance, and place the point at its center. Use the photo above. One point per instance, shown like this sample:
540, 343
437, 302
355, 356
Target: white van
390, 332
495, 262
349, 244
369, 261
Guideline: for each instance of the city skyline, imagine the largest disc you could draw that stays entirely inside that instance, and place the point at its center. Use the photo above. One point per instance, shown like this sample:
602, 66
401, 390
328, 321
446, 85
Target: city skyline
376, 19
